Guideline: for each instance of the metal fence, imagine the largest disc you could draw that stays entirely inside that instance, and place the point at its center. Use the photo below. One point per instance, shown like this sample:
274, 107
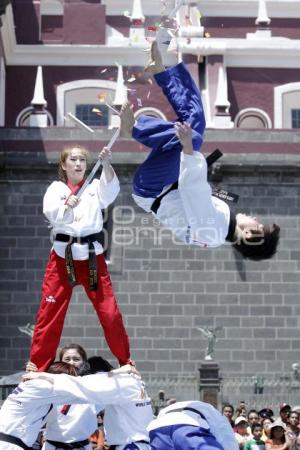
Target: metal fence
259, 392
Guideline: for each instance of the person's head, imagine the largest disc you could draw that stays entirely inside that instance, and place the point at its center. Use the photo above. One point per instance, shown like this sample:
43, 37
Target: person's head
241, 411
254, 240
277, 431
266, 424
62, 367
72, 164
73, 354
284, 411
227, 411
99, 364
253, 416
256, 430
241, 425
266, 413
293, 420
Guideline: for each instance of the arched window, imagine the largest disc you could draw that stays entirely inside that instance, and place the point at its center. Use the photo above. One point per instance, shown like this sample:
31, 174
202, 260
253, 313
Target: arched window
81, 97
287, 106
252, 118
23, 117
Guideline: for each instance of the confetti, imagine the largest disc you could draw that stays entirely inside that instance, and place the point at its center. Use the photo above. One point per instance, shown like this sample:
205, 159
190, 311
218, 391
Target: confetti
126, 13
148, 95
137, 22
164, 8
207, 35
101, 97
150, 81
139, 102
131, 79
97, 111
103, 70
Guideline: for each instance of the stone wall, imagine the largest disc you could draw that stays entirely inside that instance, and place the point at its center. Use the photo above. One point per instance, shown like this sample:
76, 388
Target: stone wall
165, 291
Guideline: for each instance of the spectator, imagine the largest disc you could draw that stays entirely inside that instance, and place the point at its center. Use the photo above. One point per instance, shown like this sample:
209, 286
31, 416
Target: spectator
266, 424
256, 443
266, 412
227, 411
240, 411
292, 428
253, 418
284, 411
241, 433
279, 440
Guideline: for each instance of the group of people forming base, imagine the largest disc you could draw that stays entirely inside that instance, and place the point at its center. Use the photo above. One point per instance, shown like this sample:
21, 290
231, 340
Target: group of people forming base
171, 184
68, 397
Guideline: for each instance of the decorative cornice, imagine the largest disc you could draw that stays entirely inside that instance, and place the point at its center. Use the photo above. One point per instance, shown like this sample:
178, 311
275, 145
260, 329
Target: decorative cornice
213, 8
71, 55
271, 52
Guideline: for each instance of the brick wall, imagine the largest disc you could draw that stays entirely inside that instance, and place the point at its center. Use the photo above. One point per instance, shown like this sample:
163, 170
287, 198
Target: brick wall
165, 291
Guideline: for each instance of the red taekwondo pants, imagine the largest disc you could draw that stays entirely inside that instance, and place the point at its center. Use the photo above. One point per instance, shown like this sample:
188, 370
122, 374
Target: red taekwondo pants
56, 295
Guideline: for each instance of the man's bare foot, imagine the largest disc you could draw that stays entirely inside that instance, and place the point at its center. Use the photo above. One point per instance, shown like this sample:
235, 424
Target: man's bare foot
184, 134
127, 120
155, 64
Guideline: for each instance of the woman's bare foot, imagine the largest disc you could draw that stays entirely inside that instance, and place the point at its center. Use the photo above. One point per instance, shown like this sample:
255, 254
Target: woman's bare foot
184, 134
127, 120
155, 64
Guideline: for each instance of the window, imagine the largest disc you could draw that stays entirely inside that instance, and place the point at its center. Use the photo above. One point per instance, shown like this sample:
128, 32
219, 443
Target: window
286, 101
92, 118
252, 118
295, 118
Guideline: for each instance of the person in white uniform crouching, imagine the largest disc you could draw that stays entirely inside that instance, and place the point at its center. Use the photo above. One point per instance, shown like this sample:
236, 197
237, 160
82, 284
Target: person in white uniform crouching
191, 425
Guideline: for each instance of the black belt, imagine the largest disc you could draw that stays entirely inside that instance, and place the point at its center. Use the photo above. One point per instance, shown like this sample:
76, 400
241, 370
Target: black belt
113, 447
187, 408
69, 258
14, 440
69, 445
220, 193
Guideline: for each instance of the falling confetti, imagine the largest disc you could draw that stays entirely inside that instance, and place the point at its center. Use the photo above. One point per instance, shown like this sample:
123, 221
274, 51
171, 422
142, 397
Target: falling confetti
150, 81
101, 97
103, 70
164, 7
97, 111
131, 79
139, 102
148, 95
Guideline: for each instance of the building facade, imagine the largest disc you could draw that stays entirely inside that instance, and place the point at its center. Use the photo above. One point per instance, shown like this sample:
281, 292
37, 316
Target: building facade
245, 57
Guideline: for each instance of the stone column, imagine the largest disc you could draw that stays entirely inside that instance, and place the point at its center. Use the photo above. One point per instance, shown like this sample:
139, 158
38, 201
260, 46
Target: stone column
209, 383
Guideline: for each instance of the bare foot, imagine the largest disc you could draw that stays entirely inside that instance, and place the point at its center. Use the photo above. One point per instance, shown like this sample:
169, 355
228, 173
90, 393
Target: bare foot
184, 134
127, 120
155, 64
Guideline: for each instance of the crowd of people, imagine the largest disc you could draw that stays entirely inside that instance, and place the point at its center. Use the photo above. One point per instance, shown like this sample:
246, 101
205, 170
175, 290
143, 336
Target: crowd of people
262, 430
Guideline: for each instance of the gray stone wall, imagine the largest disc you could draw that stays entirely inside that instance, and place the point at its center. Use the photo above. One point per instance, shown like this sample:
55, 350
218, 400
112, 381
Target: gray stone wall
165, 291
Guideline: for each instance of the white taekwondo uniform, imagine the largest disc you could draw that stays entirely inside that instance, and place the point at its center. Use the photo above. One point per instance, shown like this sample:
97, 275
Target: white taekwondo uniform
24, 412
